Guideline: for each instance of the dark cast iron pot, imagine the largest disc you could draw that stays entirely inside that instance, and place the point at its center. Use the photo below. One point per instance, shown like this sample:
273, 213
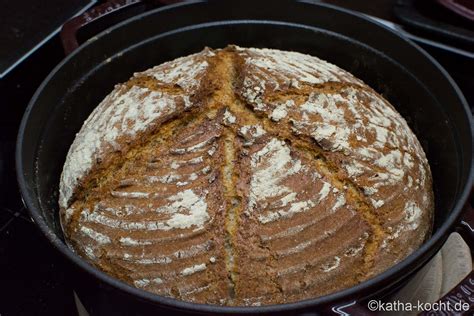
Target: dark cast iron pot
395, 67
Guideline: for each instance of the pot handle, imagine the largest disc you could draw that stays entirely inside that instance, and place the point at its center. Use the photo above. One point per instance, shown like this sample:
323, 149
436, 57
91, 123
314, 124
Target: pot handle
108, 14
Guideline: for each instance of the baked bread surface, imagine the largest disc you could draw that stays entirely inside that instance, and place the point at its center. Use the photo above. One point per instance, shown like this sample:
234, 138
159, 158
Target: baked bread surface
245, 176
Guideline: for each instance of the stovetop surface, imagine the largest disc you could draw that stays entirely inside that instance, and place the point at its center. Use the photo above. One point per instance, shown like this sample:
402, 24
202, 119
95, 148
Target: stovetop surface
19, 36
31, 277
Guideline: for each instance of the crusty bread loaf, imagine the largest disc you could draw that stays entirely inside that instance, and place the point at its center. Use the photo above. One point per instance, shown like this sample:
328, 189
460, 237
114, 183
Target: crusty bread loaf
245, 177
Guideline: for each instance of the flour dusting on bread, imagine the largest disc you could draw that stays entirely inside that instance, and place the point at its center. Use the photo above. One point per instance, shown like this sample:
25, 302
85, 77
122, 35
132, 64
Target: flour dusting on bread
245, 176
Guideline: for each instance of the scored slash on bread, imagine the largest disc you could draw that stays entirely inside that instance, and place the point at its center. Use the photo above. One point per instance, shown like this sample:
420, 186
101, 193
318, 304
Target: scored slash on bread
245, 176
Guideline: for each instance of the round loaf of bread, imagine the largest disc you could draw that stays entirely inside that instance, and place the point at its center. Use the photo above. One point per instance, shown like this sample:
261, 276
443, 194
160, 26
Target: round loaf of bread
245, 176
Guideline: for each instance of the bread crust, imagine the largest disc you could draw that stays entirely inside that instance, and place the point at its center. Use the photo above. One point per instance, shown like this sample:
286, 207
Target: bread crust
245, 176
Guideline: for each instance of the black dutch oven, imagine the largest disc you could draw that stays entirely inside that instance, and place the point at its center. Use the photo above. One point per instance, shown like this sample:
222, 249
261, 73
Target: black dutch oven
408, 77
